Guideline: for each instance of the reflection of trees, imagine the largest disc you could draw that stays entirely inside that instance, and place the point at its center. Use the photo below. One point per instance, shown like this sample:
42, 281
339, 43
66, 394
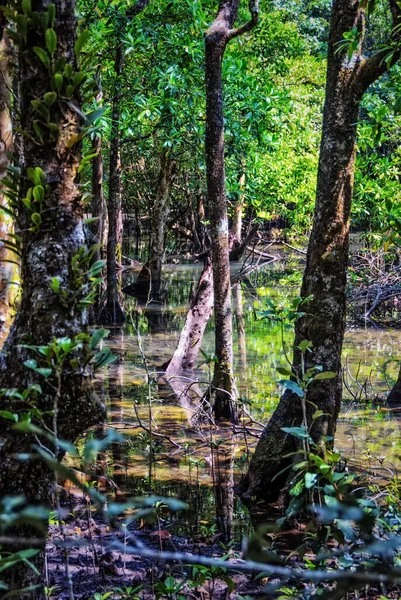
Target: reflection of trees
116, 395
223, 486
240, 322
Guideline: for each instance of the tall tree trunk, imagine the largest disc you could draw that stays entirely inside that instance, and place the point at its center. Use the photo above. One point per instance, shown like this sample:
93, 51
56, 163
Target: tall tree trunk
112, 313
99, 228
9, 271
325, 273
149, 279
216, 40
49, 251
99, 206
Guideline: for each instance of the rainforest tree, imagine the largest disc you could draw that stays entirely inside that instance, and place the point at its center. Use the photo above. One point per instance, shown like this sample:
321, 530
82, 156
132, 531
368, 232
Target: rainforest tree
217, 37
55, 266
319, 332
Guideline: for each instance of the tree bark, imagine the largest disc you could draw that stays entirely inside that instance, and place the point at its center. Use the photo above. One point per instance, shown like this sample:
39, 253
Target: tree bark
99, 228
112, 313
47, 252
149, 279
9, 271
216, 40
185, 355
325, 273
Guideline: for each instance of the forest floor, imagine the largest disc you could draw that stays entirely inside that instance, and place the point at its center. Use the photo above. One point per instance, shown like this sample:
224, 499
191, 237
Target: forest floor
98, 571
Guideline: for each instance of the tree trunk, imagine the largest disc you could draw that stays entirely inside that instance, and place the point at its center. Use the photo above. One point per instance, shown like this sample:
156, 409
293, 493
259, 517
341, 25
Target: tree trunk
112, 313
216, 40
149, 279
48, 251
99, 206
185, 355
325, 273
9, 271
99, 228
394, 396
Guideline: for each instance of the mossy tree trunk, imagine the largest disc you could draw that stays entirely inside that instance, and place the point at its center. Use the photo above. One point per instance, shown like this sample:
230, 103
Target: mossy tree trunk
216, 39
9, 271
49, 251
325, 273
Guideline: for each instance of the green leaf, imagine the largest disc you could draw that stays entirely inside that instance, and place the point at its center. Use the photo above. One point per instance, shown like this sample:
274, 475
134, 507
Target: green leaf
293, 386
51, 41
99, 335
44, 372
31, 364
39, 193
6, 414
42, 54
284, 371
298, 432
42, 109
95, 114
81, 41
310, 480
26, 6
36, 219
50, 98
78, 79
38, 130
51, 11
58, 81
325, 375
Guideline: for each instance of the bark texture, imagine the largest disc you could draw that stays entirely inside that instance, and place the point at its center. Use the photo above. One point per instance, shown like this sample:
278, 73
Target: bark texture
112, 313
325, 273
9, 271
43, 315
185, 355
216, 39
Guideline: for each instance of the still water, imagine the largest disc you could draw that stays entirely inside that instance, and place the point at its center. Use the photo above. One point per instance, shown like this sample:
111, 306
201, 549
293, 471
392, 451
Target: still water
164, 455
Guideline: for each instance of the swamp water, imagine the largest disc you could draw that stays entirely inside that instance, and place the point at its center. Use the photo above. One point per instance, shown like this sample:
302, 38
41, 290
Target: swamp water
164, 456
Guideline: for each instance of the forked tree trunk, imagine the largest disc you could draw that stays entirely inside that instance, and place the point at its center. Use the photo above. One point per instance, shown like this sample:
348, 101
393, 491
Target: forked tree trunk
9, 271
216, 40
149, 279
325, 273
47, 252
112, 313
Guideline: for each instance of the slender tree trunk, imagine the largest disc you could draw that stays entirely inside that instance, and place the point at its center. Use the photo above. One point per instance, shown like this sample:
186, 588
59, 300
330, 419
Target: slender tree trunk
216, 40
48, 251
149, 279
99, 228
99, 206
185, 355
112, 313
325, 273
9, 271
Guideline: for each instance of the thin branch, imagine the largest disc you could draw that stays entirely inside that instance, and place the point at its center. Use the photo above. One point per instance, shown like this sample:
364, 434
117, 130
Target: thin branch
254, 10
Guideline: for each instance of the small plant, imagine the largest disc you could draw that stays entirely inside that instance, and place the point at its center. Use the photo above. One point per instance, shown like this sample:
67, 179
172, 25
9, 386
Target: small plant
170, 588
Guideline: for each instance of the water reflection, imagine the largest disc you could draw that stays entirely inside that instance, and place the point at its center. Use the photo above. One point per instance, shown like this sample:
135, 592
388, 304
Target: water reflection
198, 468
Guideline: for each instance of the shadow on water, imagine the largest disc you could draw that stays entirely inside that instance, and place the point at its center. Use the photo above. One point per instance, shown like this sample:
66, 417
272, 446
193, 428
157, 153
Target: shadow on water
166, 454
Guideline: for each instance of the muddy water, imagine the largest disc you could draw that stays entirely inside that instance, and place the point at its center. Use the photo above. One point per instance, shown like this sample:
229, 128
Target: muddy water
163, 455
